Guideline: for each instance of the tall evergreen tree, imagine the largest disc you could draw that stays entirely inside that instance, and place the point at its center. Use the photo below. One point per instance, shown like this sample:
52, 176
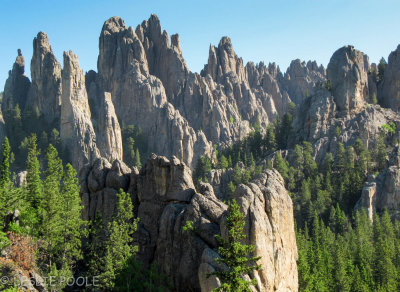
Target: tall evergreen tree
72, 223
51, 204
138, 163
235, 254
34, 184
5, 163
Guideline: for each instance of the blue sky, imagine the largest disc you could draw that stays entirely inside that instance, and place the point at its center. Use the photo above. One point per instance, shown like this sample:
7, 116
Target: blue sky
270, 31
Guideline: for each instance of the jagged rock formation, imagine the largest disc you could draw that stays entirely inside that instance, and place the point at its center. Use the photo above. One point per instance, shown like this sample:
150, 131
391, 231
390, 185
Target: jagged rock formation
301, 79
17, 85
140, 98
45, 91
76, 130
165, 198
391, 83
182, 113
105, 120
108, 131
382, 192
347, 71
342, 114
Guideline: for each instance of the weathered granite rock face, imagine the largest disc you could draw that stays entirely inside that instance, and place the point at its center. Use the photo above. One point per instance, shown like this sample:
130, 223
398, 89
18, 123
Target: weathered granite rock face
301, 79
317, 121
390, 95
165, 198
182, 113
382, 192
342, 114
100, 182
2, 128
45, 91
347, 71
105, 120
76, 130
164, 59
140, 99
17, 85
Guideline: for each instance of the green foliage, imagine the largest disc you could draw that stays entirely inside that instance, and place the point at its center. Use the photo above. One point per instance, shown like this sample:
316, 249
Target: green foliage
203, 167
72, 224
380, 153
134, 277
381, 69
134, 142
33, 193
390, 128
111, 246
223, 163
231, 120
51, 202
373, 99
235, 255
137, 162
361, 257
188, 227
328, 85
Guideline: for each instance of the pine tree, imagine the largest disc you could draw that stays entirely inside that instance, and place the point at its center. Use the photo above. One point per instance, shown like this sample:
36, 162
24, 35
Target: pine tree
282, 166
381, 68
51, 204
97, 247
223, 162
34, 184
380, 153
237, 175
8, 194
235, 254
5, 164
270, 139
310, 166
33, 193
72, 223
138, 163
119, 243
385, 271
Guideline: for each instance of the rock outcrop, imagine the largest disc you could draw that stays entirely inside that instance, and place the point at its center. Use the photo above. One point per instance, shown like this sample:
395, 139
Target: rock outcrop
2, 128
165, 199
140, 98
341, 113
17, 86
76, 130
382, 192
317, 121
181, 113
347, 72
391, 82
301, 79
45, 91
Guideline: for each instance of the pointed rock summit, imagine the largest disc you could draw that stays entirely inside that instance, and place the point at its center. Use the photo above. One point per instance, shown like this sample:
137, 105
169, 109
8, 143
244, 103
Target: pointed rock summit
45, 93
17, 85
391, 82
348, 74
76, 130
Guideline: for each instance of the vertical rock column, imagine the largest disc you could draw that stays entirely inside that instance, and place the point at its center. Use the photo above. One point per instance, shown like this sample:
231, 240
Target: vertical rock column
45, 92
76, 129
